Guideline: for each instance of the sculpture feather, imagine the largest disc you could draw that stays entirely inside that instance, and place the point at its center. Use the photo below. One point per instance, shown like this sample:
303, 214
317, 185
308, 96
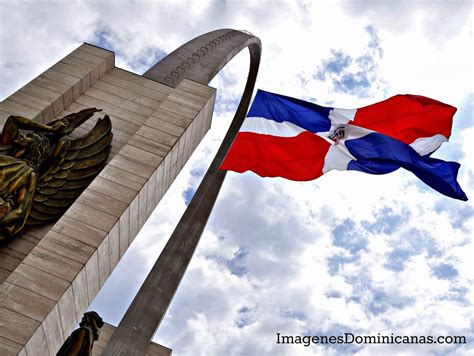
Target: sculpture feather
73, 165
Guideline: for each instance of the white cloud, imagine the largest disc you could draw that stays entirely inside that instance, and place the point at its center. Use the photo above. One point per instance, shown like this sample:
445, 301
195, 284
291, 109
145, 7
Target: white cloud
437, 19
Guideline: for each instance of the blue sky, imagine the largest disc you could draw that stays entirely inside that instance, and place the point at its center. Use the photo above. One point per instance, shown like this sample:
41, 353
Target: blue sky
348, 252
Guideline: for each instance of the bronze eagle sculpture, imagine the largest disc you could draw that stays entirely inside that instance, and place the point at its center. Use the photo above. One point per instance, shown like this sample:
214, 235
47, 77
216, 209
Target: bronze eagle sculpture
43, 170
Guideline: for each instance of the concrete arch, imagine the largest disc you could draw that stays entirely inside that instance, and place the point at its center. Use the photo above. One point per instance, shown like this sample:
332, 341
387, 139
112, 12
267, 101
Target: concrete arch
154, 297
203, 57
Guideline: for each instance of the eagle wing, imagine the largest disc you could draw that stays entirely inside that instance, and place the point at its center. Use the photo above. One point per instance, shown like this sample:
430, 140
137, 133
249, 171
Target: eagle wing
73, 120
74, 164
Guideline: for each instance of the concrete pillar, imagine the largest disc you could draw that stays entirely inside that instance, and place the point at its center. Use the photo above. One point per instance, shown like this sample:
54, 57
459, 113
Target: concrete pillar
50, 275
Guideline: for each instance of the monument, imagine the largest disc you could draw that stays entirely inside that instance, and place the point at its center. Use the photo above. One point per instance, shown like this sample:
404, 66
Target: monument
44, 171
51, 273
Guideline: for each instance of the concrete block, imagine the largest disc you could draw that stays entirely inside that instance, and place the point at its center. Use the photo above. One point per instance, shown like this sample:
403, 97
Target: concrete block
122, 177
134, 219
79, 231
187, 100
191, 139
202, 94
10, 259
100, 52
67, 247
113, 79
101, 95
111, 109
149, 145
124, 231
53, 263
38, 231
80, 294
22, 244
142, 156
167, 173
92, 274
172, 117
114, 246
136, 108
80, 63
103, 261
108, 196
185, 91
182, 149
53, 331
151, 195
60, 77
88, 57
157, 135
197, 87
51, 84
4, 273
69, 69
119, 125
25, 302
28, 100
187, 141
16, 327
106, 332
142, 206
91, 216
146, 102
128, 76
36, 91
9, 348
159, 183
38, 281
13, 108
97, 51
123, 93
86, 83
158, 123
179, 109
174, 161
157, 87
37, 344
67, 312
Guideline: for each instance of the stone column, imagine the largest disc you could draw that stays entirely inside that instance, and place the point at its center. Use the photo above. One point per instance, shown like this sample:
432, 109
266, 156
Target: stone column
50, 275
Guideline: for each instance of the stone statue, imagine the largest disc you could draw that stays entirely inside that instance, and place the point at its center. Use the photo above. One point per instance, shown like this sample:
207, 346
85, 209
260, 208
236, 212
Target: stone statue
43, 170
81, 341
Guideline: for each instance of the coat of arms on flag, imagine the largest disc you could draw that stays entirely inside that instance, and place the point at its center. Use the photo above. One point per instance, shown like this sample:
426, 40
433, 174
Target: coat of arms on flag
298, 140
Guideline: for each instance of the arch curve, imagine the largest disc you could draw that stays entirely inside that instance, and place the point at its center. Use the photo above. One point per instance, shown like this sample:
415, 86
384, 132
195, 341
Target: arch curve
199, 60
203, 57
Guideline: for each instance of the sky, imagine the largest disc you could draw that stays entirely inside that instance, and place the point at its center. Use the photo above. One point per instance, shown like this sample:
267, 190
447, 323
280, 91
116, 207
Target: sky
346, 253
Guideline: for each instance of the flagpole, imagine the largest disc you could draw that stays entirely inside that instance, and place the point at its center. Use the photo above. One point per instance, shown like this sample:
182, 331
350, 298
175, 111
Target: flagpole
147, 310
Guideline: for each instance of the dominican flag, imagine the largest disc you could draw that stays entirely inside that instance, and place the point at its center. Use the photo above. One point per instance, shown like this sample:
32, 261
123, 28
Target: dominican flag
298, 140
